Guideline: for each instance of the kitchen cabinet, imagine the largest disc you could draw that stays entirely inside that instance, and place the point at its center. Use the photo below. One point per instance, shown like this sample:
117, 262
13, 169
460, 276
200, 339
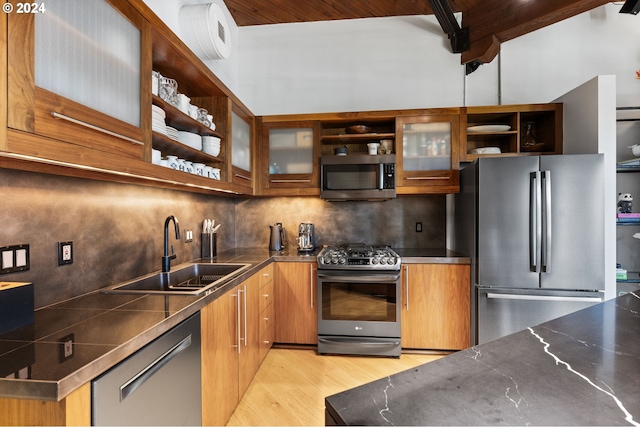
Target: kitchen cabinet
356, 133
50, 129
100, 105
513, 129
266, 318
73, 410
289, 153
428, 158
241, 135
296, 303
231, 346
435, 306
220, 358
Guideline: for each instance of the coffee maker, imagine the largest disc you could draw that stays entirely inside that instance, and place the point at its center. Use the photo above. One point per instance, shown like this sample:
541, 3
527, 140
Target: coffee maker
306, 237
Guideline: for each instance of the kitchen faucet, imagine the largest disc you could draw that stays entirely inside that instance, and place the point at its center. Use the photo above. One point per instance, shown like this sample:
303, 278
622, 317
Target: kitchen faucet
166, 259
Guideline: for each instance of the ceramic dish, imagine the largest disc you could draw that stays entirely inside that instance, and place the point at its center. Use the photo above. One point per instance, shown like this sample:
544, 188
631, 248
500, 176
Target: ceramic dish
489, 128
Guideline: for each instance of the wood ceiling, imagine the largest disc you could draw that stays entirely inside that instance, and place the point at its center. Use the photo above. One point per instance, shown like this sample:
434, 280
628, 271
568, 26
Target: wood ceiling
490, 22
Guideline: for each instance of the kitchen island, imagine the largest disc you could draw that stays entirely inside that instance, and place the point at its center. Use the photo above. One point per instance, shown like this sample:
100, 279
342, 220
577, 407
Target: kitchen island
579, 369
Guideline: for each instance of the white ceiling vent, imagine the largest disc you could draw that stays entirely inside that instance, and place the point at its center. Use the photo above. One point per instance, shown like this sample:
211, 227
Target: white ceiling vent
204, 29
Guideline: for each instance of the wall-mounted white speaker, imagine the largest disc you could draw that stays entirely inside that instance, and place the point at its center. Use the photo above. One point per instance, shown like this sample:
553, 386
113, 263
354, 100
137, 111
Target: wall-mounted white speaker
204, 29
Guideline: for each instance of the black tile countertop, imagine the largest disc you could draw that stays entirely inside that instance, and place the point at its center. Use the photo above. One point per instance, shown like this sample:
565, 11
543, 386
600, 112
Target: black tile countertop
580, 369
107, 328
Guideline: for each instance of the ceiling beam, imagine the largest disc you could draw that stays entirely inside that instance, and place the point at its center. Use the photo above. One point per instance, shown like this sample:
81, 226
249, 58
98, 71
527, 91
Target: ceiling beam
494, 22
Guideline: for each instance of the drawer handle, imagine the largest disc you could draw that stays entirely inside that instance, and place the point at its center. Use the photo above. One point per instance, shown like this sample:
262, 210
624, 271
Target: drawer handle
266, 318
265, 274
266, 342
426, 177
90, 126
266, 295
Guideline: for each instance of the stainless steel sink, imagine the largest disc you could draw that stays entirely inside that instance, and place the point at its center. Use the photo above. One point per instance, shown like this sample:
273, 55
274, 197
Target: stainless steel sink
192, 279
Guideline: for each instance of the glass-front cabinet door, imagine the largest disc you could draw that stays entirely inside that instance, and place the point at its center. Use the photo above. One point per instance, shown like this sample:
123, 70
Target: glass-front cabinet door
241, 131
428, 154
290, 158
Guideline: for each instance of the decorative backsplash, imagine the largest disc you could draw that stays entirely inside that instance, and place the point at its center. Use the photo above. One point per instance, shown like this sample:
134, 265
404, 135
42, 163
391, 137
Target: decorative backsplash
117, 229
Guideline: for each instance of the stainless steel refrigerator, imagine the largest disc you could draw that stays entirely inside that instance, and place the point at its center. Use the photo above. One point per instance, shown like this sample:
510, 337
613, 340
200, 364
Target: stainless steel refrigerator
534, 229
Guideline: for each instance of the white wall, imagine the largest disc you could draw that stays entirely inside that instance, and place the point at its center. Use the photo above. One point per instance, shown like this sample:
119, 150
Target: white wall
349, 65
544, 64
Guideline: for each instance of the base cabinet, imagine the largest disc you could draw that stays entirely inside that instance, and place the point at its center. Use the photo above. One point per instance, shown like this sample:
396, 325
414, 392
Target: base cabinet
220, 359
266, 319
435, 306
296, 303
231, 348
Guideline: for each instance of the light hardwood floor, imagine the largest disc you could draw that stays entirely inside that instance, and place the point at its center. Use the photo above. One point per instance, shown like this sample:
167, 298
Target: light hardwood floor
291, 384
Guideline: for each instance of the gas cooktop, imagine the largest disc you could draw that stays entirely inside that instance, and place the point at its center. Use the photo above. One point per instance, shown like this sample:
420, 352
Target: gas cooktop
358, 257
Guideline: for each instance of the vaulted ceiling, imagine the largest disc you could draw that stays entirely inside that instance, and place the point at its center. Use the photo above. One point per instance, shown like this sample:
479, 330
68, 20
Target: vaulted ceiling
489, 22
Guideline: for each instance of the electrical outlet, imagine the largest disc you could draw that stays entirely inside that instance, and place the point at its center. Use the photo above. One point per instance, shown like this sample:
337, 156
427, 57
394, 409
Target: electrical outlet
66, 347
188, 236
65, 253
418, 227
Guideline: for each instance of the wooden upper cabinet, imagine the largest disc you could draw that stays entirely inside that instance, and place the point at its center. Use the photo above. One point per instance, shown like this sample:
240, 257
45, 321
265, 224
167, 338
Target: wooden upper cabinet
104, 104
427, 156
290, 152
508, 130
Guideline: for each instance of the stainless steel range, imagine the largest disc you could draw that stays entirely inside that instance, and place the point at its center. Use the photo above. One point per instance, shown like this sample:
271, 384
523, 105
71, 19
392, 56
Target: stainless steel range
359, 300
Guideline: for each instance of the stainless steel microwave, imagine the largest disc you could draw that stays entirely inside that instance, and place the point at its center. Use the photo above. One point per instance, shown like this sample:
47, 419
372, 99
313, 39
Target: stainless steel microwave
358, 177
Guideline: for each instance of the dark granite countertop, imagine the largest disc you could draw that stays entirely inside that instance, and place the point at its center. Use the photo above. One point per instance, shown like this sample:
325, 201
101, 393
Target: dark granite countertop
106, 329
580, 369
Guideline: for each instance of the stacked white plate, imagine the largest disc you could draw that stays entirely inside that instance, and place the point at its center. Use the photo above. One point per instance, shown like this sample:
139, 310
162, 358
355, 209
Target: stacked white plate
211, 145
157, 120
191, 139
173, 133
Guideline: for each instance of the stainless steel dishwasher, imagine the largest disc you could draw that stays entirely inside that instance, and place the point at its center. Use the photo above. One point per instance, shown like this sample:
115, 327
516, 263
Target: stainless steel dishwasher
158, 385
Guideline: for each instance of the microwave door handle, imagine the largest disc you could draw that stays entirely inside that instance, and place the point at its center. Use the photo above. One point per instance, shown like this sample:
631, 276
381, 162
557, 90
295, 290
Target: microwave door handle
381, 176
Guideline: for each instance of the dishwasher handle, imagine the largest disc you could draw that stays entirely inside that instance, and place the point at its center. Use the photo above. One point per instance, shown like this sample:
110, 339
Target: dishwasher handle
141, 377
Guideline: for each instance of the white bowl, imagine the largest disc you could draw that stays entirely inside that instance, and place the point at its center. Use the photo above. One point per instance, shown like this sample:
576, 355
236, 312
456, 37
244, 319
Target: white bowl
635, 149
213, 151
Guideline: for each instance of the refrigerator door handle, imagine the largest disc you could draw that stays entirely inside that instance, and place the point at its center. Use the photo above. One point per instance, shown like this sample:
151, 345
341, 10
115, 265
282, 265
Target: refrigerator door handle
546, 243
543, 297
535, 223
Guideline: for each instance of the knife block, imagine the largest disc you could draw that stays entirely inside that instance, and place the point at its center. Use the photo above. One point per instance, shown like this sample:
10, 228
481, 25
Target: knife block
208, 245
16, 305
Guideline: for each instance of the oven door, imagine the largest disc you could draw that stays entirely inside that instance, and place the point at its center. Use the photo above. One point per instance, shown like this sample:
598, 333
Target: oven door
359, 303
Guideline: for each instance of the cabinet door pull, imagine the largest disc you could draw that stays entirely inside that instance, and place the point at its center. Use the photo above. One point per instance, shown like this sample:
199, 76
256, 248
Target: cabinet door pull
238, 321
266, 296
245, 315
96, 128
311, 283
406, 284
237, 175
289, 180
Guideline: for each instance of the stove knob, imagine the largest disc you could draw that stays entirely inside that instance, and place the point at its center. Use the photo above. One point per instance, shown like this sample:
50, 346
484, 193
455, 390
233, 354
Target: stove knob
327, 259
374, 261
342, 260
334, 260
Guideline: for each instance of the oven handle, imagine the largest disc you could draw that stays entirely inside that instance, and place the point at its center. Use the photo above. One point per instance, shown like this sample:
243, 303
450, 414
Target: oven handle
386, 278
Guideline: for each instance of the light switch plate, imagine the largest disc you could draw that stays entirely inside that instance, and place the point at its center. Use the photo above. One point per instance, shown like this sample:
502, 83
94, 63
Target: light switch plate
65, 253
14, 258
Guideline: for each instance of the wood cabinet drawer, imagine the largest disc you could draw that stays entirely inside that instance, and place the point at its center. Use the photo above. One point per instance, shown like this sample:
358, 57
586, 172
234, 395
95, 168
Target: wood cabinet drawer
266, 276
266, 341
266, 295
266, 320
